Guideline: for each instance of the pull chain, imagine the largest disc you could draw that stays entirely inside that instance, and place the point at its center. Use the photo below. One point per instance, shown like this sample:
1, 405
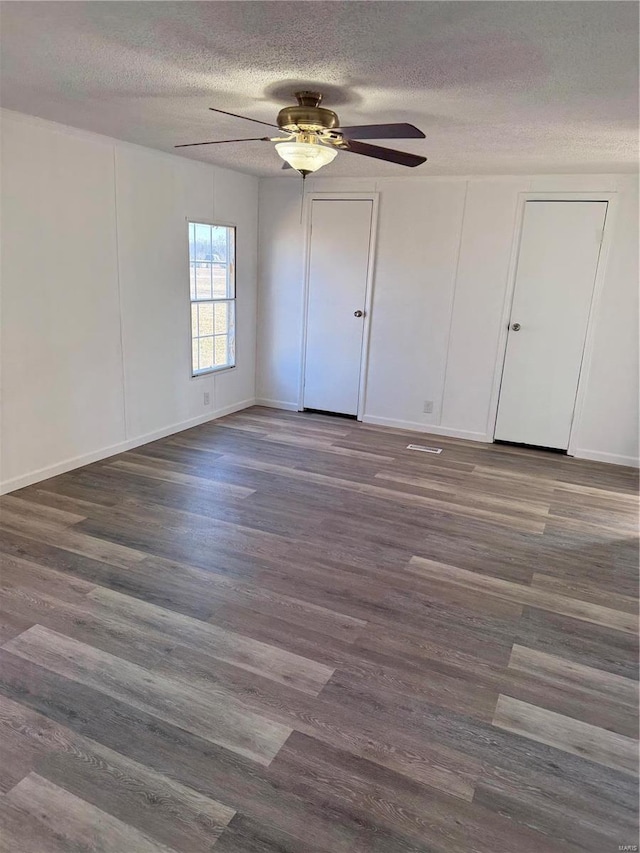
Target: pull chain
304, 178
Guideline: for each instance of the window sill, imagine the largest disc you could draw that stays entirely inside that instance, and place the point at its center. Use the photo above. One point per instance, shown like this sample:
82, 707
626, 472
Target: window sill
213, 370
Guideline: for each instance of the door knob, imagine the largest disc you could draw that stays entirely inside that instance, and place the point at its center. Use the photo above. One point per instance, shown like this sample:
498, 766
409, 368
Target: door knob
358, 313
515, 327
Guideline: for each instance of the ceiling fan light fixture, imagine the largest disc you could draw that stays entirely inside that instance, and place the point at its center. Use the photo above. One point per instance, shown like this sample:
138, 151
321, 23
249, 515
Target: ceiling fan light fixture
306, 156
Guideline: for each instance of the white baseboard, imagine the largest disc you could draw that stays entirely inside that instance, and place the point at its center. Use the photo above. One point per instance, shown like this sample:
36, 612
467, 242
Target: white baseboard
96, 455
277, 404
611, 458
416, 426
234, 407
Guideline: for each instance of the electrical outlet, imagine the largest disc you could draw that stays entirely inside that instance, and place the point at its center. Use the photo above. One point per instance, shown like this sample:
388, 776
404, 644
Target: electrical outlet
428, 407
207, 398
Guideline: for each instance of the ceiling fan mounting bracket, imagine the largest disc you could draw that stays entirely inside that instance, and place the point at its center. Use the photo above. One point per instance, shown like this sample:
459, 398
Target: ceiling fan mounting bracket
308, 99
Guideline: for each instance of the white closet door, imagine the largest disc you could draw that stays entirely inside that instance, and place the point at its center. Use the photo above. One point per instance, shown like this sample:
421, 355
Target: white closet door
338, 268
557, 263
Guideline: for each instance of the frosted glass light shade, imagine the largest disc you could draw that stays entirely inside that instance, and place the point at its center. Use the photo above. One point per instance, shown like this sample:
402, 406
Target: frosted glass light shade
305, 156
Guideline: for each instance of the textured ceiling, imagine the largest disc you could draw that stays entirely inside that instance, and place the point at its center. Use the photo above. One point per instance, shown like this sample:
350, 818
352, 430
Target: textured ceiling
498, 87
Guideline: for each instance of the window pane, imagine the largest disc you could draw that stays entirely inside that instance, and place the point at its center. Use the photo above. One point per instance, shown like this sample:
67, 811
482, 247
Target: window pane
203, 281
192, 241
205, 349
220, 281
221, 349
231, 290
203, 242
232, 349
231, 280
212, 293
219, 243
222, 318
205, 319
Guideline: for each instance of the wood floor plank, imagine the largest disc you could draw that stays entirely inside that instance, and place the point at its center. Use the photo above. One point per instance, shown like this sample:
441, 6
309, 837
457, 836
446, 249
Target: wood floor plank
72, 540
223, 722
16, 762
336, 717
466, 496
151, 802
273, 420
182, 755
590, 815
303, 674
430, 484
582, 642
486, 584
93, 625
191, 590
570, 478
21, 832
247, 835
592, 695
75, 823
569, 588
158, 472
12, 505
401, 807
167, 658
204, 767
325, 446
561, 732
282, 631
12, 624
402, 497
16, 571
224, 592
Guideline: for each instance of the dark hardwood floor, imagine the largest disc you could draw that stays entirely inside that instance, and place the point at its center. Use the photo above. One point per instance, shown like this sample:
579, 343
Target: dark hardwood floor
285, 632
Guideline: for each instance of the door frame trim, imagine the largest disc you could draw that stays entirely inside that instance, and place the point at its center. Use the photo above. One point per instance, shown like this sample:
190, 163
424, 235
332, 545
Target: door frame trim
587, 355
373, 197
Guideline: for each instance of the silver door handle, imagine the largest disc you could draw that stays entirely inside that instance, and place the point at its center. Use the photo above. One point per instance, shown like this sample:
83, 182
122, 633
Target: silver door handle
515, 327
358, 313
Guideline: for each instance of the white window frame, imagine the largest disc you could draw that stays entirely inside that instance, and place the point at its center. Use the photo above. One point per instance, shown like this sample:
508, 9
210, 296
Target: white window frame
231, 269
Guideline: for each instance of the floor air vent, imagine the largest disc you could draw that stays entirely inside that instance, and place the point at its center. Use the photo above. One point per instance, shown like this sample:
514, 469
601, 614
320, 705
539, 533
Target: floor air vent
423, 449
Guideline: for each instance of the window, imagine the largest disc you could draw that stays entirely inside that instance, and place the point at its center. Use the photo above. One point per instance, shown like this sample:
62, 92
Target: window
212, 266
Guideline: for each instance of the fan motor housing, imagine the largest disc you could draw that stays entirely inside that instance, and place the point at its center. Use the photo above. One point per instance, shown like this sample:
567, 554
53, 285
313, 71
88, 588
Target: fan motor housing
307, 115
307, 118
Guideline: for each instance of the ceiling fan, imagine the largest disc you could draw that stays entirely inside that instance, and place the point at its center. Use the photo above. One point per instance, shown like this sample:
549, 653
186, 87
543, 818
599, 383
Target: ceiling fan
314, 136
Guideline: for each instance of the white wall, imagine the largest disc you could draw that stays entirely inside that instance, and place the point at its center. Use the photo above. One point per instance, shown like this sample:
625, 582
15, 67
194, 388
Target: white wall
441, 279
95, 310
94, 335
609, 425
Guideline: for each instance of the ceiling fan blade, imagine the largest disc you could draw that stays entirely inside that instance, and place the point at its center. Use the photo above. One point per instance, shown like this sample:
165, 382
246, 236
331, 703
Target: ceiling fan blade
382, 131
389, 154
222, 141
246, 118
